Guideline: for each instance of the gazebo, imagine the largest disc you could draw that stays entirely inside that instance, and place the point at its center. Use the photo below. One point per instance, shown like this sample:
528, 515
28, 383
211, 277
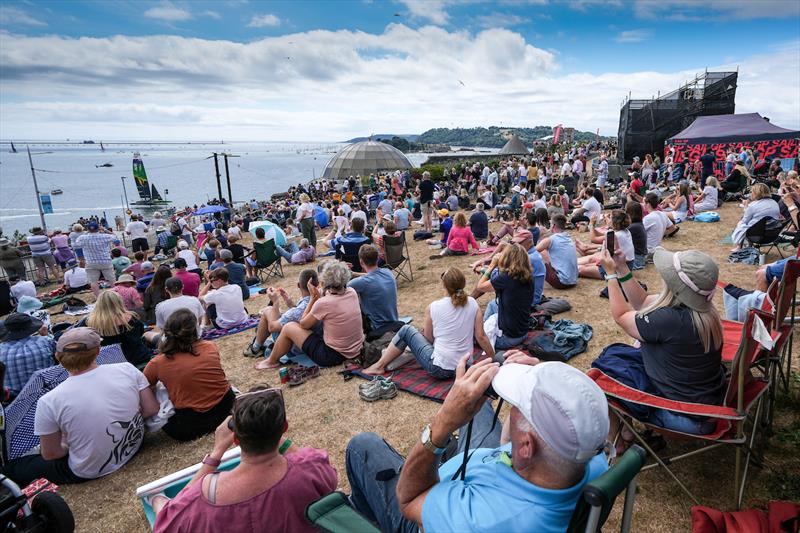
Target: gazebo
365, 158
514, 147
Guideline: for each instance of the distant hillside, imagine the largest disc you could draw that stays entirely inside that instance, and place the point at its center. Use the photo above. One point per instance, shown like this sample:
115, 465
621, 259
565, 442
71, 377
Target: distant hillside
384, 137
491, 137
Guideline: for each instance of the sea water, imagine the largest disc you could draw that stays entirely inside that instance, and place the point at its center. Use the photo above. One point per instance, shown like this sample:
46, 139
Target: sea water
182, 173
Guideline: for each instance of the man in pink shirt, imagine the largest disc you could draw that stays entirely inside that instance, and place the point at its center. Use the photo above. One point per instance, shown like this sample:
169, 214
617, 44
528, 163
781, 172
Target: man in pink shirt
190, 280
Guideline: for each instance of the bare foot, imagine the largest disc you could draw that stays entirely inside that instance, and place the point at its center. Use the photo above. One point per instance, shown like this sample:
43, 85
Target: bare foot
266, 365
374, 370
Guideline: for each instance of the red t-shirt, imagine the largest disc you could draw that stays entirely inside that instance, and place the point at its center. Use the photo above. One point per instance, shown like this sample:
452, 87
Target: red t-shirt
636, 186
309, 476
191, 282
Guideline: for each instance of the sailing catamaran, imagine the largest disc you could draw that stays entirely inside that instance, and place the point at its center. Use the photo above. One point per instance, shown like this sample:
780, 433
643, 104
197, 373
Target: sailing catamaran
13, 148
150, 197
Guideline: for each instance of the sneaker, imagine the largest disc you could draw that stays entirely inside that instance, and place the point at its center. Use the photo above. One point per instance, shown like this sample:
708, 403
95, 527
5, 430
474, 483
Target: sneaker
250, 352
297, 376
367, 384
378, 390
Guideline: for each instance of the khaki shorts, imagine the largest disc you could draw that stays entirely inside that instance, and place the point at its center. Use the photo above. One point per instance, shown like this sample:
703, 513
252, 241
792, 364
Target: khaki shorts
93, 271
44, 260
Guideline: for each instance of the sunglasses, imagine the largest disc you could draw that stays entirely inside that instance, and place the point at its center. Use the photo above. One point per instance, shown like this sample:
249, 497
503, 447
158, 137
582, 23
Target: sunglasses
264, 393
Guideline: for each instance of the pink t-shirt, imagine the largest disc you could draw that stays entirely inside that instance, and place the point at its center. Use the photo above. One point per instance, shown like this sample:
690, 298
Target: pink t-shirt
309, 476
337, 313
134, 270
130, 297
191, 282
460, 239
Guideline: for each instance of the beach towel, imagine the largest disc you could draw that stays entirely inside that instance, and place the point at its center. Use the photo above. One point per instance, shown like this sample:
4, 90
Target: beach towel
216, 333
414, 379
254, 290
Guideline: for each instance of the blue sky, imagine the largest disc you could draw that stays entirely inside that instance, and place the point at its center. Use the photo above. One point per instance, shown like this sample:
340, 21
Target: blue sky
325, 70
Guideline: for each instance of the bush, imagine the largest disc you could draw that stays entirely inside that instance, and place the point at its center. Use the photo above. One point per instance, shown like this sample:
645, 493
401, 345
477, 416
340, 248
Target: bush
437, 172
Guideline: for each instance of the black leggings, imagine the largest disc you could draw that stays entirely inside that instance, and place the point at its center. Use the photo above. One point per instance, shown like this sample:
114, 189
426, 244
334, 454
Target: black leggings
24, 470
188, 424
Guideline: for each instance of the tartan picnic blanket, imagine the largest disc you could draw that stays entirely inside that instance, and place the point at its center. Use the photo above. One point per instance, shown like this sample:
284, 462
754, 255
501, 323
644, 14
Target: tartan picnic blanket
412, 378
216, 333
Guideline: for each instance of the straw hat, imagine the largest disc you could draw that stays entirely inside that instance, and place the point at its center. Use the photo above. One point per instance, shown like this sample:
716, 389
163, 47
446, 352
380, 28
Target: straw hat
125, 278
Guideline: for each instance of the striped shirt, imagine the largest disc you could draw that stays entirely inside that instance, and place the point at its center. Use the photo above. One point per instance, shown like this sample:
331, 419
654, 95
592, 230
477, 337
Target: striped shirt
39, 245
96, 247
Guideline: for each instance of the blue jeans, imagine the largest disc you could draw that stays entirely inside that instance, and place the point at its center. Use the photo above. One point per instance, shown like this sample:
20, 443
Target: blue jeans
502, 342
683, 423
373, 469
408, 336
287, 254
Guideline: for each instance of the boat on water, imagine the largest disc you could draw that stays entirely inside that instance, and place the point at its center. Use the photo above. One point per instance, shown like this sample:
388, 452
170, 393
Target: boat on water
13, 148
149, 197
104, 165
56, 191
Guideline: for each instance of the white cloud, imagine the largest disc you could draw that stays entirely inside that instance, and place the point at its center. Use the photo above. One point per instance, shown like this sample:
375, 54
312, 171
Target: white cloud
501, 20
693, 10
632, 36
261, 21
13, 16
433, 10
337, 84
168, 12
211, 14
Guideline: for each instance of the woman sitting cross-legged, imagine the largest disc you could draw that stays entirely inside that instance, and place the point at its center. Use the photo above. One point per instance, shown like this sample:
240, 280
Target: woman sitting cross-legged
268, 490
191, 371
680, 334
590, 266
450, 325
335, 306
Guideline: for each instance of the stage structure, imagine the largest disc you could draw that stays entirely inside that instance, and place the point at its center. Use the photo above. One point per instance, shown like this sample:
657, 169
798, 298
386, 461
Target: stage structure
644, 125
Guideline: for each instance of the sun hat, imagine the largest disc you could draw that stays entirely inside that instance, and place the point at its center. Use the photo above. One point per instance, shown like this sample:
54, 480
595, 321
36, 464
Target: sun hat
86, 338
125, 278
183, 245
565, 407
515, 188
19, 325
443, 212
4, 241
27, 303
691, 275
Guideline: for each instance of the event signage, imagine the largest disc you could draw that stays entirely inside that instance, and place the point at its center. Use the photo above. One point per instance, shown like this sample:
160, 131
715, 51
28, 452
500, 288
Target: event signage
47, 205
769, 149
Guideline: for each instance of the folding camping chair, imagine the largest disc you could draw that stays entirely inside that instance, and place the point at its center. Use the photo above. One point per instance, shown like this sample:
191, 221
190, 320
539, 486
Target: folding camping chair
398, 258
744, 395
268, 262
172, 243
767, 233
333, 512
348, 252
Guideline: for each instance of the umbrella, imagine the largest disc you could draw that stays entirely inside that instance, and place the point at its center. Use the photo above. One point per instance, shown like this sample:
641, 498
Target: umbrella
271, 231
321, 217
207, 210
21, 412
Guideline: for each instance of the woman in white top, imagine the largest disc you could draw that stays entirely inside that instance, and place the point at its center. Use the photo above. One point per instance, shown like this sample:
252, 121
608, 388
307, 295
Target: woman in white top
75, 278
761, 205
305, 218
708, 199
450, 325
589, 266
190, 256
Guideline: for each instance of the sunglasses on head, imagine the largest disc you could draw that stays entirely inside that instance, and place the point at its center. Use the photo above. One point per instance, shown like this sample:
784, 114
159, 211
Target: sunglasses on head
263, 393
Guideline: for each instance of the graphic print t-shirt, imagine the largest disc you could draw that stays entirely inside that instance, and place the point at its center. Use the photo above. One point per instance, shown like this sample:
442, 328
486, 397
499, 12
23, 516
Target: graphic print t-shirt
98, 414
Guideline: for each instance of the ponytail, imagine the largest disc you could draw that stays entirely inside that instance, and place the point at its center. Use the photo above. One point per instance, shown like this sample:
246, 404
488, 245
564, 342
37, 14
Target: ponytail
459, 298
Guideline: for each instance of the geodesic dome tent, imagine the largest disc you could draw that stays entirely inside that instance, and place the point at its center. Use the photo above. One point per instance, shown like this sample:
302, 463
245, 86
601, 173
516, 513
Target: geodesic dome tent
363, 159
514, 147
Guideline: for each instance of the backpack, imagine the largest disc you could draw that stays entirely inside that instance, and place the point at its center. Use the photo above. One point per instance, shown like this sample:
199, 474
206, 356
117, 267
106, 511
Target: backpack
74, 304
175, 228
371, 351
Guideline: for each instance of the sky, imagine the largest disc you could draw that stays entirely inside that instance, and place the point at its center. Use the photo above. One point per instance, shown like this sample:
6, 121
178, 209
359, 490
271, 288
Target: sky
329, 71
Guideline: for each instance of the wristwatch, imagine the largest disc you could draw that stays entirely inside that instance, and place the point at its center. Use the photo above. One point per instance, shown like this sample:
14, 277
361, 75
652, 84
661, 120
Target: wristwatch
428, 444
210, 461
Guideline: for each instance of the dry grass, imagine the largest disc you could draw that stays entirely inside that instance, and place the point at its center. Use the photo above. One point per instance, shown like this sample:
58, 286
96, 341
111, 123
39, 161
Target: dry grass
326, 412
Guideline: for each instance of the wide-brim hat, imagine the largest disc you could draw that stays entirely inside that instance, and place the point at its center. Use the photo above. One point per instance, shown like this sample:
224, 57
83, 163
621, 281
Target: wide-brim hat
19, 325
125, 278
691, 275
26, 304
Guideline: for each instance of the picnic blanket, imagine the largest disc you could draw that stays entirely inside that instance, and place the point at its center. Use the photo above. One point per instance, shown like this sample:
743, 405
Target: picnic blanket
412, 378
254, 289
216, 333
483, 251
21, 412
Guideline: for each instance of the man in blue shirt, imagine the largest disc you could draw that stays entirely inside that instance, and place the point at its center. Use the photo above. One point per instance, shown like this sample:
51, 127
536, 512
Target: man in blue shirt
376, 288
25, 348
479, 223
557, 426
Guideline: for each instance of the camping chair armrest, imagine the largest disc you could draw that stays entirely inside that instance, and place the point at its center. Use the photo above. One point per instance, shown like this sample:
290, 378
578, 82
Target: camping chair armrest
604, 489
620, 391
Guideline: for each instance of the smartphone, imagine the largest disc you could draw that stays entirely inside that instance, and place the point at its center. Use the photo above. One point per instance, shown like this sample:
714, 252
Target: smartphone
610, 242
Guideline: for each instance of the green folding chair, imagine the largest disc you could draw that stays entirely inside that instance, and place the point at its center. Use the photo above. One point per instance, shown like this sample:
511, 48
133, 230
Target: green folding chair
334, 514
172, 243
599, 495
268, 262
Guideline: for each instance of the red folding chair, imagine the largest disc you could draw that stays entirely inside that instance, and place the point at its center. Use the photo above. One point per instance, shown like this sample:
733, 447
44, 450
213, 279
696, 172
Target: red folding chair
737, 419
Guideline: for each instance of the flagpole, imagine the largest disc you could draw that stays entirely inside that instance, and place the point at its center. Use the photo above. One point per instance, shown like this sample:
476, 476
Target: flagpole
36, 190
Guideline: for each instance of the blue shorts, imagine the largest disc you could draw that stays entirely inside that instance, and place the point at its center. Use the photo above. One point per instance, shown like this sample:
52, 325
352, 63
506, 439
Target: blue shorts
79, 253
775, 270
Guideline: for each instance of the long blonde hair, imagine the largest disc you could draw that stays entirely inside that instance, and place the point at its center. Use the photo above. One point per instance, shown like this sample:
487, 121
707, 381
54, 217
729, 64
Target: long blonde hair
109, 316
515, 262
707, 324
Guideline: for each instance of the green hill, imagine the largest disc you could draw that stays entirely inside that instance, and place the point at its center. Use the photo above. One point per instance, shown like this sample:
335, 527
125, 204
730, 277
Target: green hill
491, 137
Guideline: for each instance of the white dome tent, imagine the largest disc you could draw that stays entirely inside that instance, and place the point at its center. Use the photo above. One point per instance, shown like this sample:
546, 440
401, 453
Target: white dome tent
365, 158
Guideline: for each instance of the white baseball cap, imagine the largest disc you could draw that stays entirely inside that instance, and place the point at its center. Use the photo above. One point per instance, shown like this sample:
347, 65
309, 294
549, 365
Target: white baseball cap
565, 407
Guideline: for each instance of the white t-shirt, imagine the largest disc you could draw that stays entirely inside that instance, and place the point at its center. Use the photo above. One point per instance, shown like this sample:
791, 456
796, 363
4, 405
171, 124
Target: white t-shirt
185, 229
304, 211
453, 330
165, 308
191, 260
235, 230
655, 224
22, 288
137, 229
592, 207
347, 209
98, 414
623, 241
487, 198
157, 223
230, 305
75, 277
565, 168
